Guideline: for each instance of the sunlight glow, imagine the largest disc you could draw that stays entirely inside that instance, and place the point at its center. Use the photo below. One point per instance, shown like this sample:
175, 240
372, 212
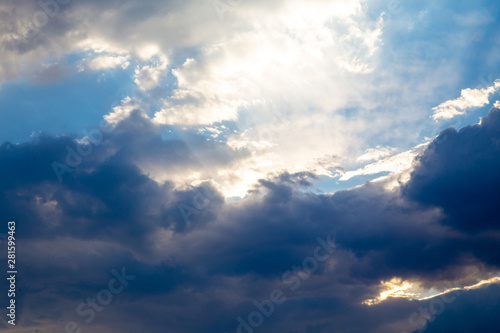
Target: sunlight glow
398, 288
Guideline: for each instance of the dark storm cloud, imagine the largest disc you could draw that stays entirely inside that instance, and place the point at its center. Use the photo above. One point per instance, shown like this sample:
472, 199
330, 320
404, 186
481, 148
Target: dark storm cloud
474, 311
461, 176
202, 272
103, 195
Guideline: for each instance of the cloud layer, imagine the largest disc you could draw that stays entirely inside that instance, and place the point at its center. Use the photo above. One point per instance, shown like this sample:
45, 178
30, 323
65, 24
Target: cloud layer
228, 129
200, 262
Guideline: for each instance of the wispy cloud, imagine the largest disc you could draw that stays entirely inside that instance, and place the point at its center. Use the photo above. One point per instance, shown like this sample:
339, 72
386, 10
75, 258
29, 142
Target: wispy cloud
469, 98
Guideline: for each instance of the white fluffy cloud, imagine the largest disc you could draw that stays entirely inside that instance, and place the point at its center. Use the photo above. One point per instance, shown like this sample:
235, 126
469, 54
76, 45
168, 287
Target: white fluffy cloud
107, 62
313, 44
123, 110
376, 153
149, 76
469, 98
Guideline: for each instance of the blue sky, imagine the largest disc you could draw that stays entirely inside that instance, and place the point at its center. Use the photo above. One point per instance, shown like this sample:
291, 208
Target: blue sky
206, 145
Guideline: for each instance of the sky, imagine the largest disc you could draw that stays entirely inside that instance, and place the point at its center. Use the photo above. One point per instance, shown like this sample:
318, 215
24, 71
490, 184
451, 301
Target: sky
251, 166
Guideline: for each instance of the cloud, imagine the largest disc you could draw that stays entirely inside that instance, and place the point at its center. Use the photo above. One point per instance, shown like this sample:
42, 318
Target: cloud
470, 98
225, 75
149, 76
394, 164
460, 175
191, 68
123, 110
244, 70
255, 105
107, 62
213, 258
376, 153
466, 313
